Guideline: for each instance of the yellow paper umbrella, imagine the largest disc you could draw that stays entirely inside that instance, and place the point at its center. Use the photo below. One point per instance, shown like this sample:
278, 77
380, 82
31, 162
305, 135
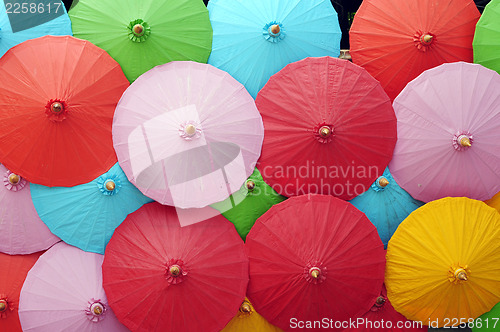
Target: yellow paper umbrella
494, 202
248, 320
443, 262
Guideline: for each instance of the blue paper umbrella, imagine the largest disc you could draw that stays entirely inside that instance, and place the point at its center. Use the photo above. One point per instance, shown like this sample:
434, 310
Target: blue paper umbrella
23, 20
253, 40
386, 204
86, 215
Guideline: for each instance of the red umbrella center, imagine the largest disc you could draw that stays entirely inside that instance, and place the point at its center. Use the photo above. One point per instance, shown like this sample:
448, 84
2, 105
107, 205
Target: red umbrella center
324, 133
175, 271
3, 305
379, 303
56, 110
315, 273
423, 40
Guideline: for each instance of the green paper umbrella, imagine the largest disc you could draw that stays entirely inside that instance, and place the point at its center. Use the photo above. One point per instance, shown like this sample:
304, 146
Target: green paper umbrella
486, 42
245, 206
142, 34
489, 321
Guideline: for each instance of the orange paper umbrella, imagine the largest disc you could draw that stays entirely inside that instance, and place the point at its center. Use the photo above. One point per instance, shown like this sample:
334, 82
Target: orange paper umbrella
14, 270
397, 40
57, 100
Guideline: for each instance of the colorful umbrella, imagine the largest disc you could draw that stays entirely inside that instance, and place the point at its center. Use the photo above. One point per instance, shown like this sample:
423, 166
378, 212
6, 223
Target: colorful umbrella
486, 43
21, 230
63, 292
58, 25
248, 320
160, 276
386, 204
442, 262
14, 270
489, 321
141, 35
494, 202
383, 317
395, 41
86, 215
448, 133
246, 205
330, 129
312, 257
255, 39
58, 96
187, 134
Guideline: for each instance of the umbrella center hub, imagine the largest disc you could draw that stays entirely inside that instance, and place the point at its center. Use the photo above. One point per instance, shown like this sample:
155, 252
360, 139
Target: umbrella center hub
458, 275
96, 310
14, 178
3, 305
273, 32
462, 142
190, 130
110, 185
315, 274
379, 303
381, 183
138, 31
423, 40
56, 110
13, 181
250, 185
246, 308
324, 133
175, 272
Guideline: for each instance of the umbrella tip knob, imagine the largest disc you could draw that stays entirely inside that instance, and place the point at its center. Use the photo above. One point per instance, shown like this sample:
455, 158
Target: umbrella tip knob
465, 141
461, 274
14, 178
380, 300
3, 305
138, 29
427, 38
383, 182
56, 107
250, 185
325, 131
175, 270
275, 29
110, 185
245, 307
315, 272
190, 130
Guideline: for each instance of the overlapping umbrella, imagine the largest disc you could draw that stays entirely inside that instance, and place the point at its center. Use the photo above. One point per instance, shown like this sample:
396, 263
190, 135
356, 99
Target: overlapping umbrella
494, 201
21, 230
249, 320
63, 292
187, 134
448, 133
141, 35
255, 39
314, 256
330, 129
395, 41
58, 96
489, 321
486, 43
442, 262
86, 215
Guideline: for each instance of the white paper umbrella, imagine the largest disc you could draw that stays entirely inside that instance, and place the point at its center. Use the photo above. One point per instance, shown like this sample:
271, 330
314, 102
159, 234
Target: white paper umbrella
63, 292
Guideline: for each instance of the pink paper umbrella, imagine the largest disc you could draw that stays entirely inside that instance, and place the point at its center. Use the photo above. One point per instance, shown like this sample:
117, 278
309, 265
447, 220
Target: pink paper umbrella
21, 230
63, 292
187, 134
449, 133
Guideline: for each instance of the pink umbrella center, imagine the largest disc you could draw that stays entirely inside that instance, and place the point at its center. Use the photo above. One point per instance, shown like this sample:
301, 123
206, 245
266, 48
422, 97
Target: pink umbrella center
13, 181
462, 142
190, 130
96, 310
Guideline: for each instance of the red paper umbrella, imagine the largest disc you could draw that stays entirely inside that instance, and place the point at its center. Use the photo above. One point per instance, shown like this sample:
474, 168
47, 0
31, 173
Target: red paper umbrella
382, 317
397, 40
14, 270
57, 100
159, 276
329, 129
314, 257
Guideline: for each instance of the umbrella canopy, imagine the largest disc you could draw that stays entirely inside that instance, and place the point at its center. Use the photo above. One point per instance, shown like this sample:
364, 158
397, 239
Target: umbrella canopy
395, 41
330, 129
442, 262
141, 35
489, 321
160, 276
58, 97
14, 270
86, 215
253, 199
383, 317
448, 133
57, 24
187, 134
255, 39
21, 230
486, 46
327, 263
386, 204
248, 320
63, 292
494, 201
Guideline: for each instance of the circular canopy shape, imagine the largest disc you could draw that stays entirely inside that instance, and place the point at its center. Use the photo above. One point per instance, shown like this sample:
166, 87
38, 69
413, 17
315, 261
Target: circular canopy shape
58, 96
255, 39
486, 46
395, 41
448, 142
442, 262
329, 262
329, 128
63, 292
143, 34
187, 134
162, 277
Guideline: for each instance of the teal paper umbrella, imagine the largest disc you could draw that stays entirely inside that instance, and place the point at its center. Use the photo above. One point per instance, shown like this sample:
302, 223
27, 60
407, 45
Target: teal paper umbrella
86, 215
386, 205
245, 206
